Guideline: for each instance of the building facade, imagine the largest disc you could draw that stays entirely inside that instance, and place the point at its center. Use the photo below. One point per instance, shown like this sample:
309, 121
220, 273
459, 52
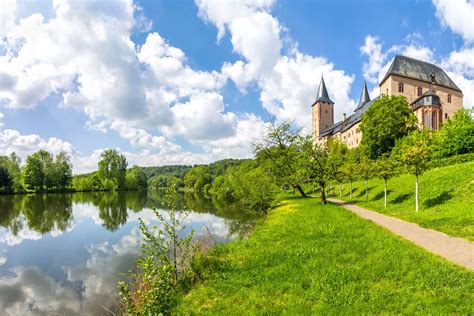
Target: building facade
432, 96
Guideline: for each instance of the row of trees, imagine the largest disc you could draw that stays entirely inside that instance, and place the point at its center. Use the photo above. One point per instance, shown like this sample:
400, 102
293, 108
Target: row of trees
43, 171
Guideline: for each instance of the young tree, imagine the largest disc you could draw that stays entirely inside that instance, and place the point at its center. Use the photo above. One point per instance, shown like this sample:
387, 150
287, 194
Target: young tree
349, 171
365, 170
386, 120
385, 169
319, 164
279, 149
415, 155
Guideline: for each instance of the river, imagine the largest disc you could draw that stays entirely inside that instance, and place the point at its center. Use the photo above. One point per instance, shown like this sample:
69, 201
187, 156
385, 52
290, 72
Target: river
63, 253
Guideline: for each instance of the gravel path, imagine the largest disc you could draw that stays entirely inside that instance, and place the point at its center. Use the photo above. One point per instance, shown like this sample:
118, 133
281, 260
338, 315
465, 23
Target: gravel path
457, 250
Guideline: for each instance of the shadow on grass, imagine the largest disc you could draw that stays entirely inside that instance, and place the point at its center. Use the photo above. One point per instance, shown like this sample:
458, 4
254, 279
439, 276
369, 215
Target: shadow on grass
380, 195
362, 191
401, 198
440, 199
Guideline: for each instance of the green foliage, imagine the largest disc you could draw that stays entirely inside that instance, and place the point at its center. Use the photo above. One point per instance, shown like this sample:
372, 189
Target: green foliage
112, 169
136, 178
196, 178
34, 171
453, 160
456, 135
254, 189
414, 151
385, 121
309, 258
320, 164
163, 266
279, 150
6, 181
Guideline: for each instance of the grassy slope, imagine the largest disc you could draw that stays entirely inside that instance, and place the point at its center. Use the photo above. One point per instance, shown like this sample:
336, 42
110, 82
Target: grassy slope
446, 199
311, 258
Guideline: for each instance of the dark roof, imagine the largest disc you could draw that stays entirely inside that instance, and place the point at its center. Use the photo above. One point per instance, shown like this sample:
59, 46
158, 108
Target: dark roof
364, 97
343, 126
323, 95
420, 70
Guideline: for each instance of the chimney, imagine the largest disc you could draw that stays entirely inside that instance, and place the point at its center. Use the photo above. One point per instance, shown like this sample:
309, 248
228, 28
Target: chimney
344, 116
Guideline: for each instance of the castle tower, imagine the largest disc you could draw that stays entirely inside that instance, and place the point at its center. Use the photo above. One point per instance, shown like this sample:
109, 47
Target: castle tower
322, 111
364, 97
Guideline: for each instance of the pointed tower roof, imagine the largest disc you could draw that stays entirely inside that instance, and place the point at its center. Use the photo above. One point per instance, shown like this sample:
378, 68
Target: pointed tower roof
323, 95
364, 97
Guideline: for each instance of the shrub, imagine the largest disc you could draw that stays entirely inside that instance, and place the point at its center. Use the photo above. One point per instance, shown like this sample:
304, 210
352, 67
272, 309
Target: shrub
453, 160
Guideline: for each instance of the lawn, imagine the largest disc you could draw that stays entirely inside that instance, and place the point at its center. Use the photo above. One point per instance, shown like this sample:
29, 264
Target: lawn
309, 258
446, 199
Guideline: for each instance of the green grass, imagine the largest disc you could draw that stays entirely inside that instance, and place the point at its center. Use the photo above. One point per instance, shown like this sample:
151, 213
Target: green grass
309, 258
446, 199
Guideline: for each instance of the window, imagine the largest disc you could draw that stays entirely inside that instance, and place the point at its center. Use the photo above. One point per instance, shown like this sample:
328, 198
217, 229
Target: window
427, 120
434, 121
400, 87
420, 91
326, 111
445, 116
387, 92
449, 98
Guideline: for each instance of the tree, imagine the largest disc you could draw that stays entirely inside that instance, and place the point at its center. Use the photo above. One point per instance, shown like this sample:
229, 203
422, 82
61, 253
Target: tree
12, 164
386, 120
385, 169
36, 167
58, 174
279, 149
365, 171
112, 169
6, 181
319, 164
136, 178
456, 135
415, 155
349, 172
196, 178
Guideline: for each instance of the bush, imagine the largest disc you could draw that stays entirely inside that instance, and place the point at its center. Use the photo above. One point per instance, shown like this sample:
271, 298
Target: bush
457, 159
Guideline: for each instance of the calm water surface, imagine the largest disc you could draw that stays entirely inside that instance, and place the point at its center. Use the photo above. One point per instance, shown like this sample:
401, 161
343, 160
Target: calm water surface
62, 253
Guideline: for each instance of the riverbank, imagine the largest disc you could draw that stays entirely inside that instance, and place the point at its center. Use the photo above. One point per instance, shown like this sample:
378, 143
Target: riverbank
446, 199
307, 257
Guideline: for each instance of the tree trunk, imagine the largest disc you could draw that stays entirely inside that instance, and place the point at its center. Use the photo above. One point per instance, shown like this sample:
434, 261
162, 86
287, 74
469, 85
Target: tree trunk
350, 190
366, 192
300, 190
416, 193
385, 191
323, 194
340, 190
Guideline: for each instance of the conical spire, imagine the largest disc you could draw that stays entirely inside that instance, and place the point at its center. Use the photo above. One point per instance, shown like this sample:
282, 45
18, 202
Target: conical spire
364, 97
323, 95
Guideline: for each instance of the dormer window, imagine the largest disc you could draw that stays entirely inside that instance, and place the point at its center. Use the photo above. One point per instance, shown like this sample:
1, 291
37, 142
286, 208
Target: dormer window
400, 87
420, 91
449, 98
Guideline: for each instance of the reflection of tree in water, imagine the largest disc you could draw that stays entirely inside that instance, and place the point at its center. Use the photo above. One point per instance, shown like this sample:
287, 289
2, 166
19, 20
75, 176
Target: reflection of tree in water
10, 209
47, 212
112, 209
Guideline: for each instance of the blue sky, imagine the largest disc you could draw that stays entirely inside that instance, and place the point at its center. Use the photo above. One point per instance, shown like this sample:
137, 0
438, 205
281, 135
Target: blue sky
191, 82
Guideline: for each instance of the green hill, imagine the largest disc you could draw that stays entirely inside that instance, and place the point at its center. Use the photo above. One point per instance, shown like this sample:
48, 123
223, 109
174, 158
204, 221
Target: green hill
307, 258
446, 199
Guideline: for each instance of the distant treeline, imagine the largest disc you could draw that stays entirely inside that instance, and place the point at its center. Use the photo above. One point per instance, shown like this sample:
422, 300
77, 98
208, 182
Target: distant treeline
45, 172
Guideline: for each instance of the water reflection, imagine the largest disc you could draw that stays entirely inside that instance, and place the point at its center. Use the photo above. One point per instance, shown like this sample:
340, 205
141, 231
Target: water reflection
62, 253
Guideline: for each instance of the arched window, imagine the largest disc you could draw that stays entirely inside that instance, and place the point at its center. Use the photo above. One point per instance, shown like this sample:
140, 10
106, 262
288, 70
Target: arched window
400, 87
427, 120
420, 91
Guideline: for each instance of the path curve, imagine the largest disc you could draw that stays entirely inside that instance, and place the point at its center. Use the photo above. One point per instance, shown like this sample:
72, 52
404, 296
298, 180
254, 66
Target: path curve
457, 250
